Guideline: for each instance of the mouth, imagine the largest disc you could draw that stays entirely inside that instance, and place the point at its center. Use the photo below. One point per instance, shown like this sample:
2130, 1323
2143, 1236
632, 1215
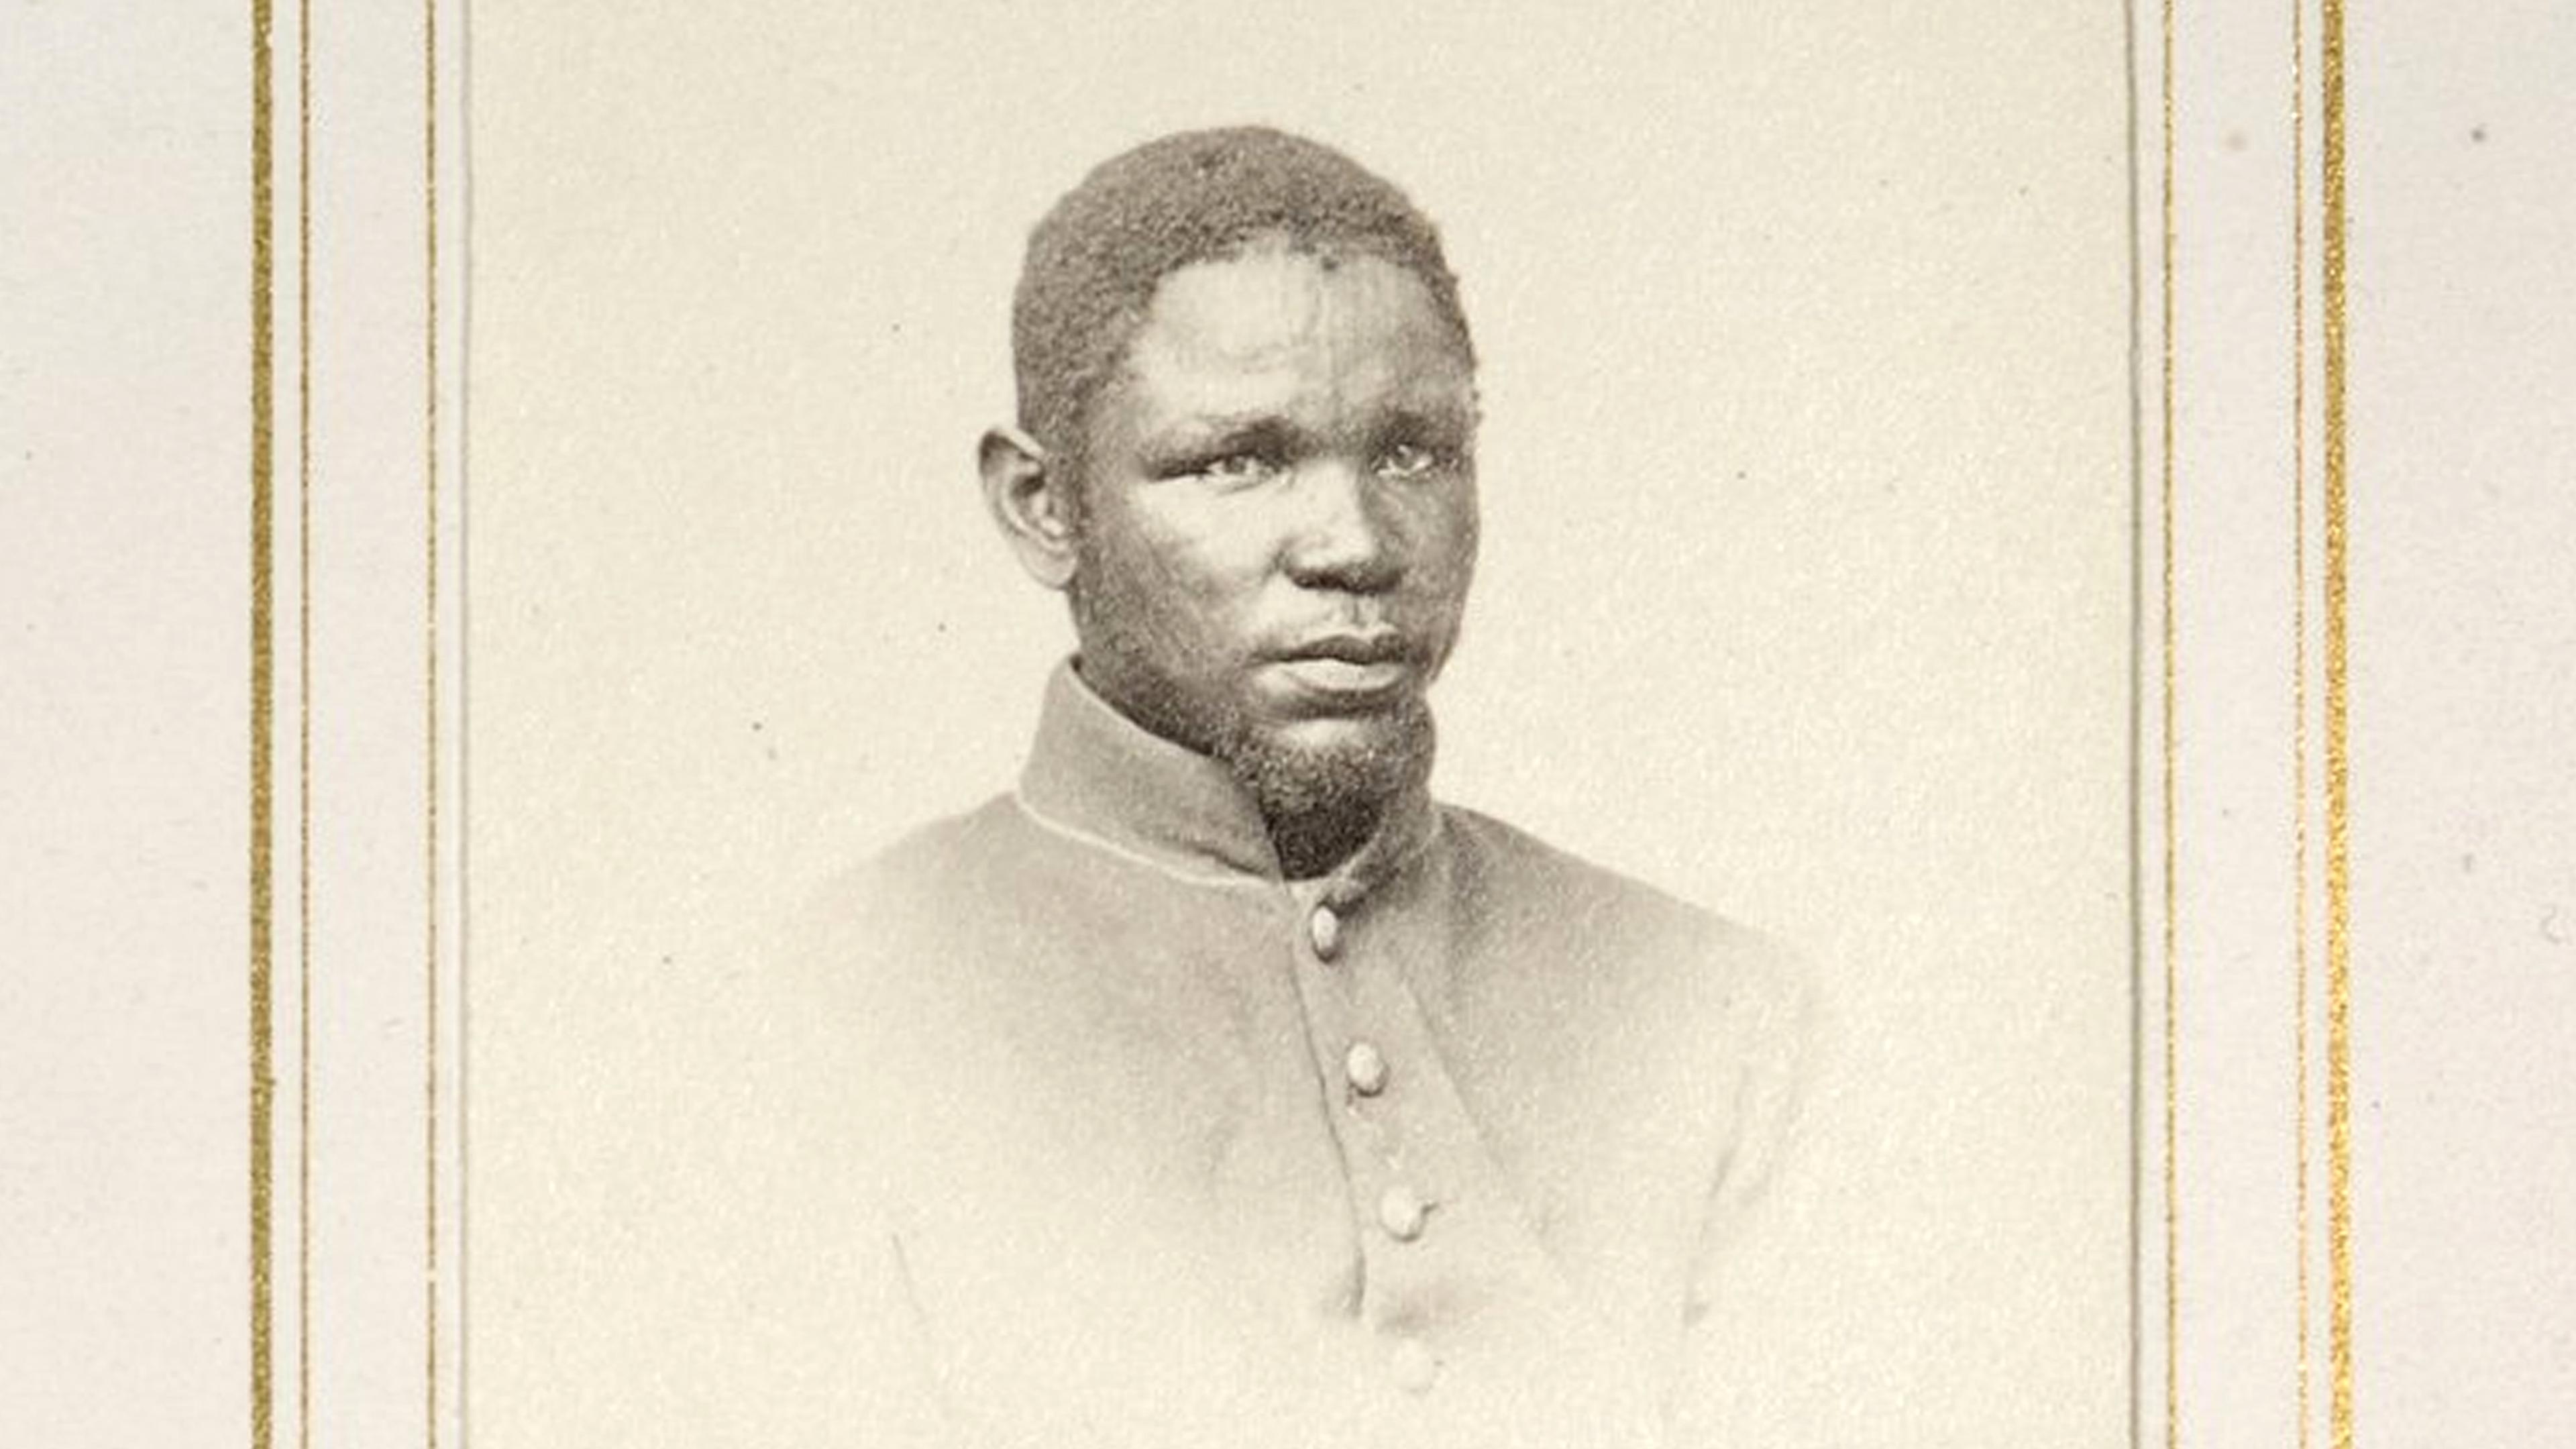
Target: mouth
1347, 670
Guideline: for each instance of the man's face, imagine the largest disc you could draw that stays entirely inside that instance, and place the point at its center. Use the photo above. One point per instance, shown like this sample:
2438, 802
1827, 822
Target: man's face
1278, 521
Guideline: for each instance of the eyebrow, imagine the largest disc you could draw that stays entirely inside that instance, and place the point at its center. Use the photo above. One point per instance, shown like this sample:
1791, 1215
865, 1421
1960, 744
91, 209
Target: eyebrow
1442, 419
1190, 442
1227, 429
1203, 429
1250, 428
1200, 439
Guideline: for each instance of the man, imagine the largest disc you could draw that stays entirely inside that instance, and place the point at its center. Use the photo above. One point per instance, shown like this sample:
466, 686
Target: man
1217, 1085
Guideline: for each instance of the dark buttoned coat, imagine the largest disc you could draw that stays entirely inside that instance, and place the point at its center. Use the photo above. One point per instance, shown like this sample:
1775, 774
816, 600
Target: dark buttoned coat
1087, 1127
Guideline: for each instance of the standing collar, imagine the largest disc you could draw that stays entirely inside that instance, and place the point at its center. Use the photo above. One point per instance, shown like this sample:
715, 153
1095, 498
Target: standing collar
1099, 776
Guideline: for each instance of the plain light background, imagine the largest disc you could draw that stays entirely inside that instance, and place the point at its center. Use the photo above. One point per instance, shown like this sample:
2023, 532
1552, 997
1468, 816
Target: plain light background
1805, 590
2464, 727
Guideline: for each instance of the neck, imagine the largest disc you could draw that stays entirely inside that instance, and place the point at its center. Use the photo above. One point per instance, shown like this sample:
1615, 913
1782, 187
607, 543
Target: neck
1315, 842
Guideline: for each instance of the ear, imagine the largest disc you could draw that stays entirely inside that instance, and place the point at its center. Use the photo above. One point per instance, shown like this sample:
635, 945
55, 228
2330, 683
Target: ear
1030, 503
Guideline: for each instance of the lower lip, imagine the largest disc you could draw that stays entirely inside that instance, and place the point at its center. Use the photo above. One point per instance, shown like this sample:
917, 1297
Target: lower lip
1341, 678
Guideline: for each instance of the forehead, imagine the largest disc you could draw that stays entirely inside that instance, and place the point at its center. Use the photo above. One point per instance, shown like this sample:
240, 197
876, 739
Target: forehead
1280, 330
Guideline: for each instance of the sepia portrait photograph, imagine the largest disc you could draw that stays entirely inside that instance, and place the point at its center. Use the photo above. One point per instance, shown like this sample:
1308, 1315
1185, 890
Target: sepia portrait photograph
1014, 724
1300, 725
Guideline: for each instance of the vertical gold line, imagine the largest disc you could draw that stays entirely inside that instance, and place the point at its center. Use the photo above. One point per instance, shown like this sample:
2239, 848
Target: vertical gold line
2338, 751
429, 159
304, 723
2299, 655
263, 686
2172, 1189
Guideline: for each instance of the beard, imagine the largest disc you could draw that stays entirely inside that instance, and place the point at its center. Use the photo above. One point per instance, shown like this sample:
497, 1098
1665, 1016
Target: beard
1354, 780
1324, 803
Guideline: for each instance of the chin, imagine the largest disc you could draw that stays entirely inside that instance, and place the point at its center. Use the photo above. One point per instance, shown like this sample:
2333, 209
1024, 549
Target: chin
1333, 764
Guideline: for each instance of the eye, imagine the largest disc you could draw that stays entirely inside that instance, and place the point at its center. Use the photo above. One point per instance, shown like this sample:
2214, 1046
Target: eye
1410, 460
1236, 469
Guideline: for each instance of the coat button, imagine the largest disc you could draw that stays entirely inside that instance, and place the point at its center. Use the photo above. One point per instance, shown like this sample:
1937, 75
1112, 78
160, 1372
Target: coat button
1412, 1364
1365, 1065
1401, 1213
1324, 932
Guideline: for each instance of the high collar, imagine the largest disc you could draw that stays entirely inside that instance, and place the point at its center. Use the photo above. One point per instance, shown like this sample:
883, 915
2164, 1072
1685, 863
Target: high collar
1098, 775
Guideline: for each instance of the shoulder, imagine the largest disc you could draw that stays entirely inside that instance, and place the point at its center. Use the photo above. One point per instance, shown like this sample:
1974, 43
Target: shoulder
838, 954
914, 882
1715, 1023
930, 859
1610, 922
861, 986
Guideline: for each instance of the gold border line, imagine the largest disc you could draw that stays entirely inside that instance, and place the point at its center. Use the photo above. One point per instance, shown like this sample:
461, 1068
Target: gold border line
304, 723
2165, 461
263, 688
2299, 663
2338, 741
429, 160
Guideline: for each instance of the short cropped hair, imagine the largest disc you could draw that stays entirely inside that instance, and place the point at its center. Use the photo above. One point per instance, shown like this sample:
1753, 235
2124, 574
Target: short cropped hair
1094, 261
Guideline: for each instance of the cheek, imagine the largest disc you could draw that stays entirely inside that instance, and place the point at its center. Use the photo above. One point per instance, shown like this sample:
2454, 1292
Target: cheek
1173, 578
1470, 531
1449, 539
1209, 545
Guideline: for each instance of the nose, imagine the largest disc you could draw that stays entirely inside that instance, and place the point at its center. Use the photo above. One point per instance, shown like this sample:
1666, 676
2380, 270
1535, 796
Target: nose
1343, 537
